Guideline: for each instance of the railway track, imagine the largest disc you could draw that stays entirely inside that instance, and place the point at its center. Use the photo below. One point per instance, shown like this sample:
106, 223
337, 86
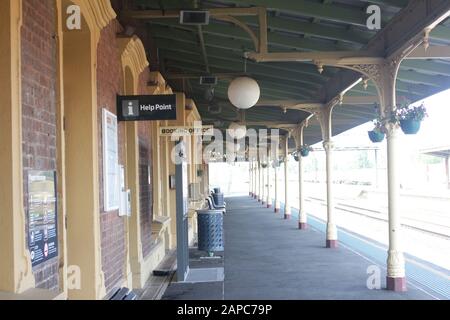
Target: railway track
431, 228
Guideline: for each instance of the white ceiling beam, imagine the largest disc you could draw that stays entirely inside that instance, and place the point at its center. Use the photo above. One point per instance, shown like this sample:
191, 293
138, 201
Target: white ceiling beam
272, 124
301, 104
335, 57
214, 12
360, 100
432, 52
289, 104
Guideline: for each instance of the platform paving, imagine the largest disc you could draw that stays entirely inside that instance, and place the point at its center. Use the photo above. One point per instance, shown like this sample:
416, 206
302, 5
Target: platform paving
267, 257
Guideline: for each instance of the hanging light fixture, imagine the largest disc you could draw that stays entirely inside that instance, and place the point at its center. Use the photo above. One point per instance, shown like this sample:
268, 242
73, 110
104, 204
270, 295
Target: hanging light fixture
244, 92
237, 130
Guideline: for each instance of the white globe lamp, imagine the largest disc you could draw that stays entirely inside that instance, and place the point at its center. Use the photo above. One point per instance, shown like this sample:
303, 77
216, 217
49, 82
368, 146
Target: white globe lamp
244, 92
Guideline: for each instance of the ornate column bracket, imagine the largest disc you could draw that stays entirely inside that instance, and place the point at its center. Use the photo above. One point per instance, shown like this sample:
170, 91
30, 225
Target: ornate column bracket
328, 146
323, 116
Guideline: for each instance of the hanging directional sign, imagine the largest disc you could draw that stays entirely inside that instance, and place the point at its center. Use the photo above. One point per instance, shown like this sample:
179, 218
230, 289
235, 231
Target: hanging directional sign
145, 108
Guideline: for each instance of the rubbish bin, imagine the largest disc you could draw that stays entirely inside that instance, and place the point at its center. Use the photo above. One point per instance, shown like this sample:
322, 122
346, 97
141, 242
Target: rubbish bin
210, 231
216, 190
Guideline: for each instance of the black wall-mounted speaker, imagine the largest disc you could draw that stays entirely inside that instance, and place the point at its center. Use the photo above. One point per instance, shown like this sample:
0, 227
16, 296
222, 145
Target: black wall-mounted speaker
208, 80
194, 17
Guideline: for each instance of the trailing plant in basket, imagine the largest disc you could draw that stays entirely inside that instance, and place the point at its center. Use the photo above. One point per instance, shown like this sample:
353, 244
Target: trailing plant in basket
377, 133
304, 150
409, 117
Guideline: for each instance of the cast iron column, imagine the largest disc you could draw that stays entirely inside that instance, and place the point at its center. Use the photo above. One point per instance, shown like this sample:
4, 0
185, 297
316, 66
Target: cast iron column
287, 207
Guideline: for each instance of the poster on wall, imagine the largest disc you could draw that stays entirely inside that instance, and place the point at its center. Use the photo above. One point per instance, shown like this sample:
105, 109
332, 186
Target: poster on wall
42, 216
111, 174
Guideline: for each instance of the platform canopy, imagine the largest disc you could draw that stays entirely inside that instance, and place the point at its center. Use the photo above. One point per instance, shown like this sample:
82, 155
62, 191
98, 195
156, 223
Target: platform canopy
316, 28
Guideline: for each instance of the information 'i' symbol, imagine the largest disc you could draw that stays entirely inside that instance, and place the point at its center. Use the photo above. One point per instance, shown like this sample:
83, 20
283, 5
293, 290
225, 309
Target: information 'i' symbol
130, 108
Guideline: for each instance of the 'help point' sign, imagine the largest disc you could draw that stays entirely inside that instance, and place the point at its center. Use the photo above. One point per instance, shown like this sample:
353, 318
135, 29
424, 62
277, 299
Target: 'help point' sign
147, 108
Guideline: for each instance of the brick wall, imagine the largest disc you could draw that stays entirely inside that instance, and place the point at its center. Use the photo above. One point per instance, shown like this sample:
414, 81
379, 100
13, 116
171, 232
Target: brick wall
145, 162
39, 74
109, 84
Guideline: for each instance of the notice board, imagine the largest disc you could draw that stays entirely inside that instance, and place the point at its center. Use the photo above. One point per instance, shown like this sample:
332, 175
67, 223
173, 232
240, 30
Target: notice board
42, 216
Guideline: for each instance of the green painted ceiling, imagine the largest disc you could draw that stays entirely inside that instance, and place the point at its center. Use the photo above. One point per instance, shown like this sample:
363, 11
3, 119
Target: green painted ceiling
293, 25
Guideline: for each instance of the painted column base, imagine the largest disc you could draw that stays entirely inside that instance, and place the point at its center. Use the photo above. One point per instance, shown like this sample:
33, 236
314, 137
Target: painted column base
302, 225
250, 194
332, 243
269, 205
396, 284
287, 216
263, 202
276, 210
259, 200
255, 196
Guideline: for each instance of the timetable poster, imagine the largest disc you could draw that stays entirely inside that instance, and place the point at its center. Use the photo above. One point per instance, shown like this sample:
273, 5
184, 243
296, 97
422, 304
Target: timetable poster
42, 225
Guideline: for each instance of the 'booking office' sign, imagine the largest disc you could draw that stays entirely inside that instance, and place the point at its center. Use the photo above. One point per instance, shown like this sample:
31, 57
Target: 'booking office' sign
145, 108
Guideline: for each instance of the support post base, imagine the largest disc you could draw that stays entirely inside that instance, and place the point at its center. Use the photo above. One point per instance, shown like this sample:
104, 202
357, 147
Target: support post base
263, 203
276, 210
287, 216
332, 244
396, 284
269, 205
302, 225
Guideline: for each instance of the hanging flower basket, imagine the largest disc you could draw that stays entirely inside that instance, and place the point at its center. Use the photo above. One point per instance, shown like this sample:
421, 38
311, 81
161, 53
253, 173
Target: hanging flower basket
305, 150
296, 157
276, 163
376, 136
410, 117
264, 165
410, 126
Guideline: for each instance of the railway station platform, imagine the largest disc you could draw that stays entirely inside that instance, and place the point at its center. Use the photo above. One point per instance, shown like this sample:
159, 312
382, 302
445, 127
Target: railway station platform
267, 257
113, 114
